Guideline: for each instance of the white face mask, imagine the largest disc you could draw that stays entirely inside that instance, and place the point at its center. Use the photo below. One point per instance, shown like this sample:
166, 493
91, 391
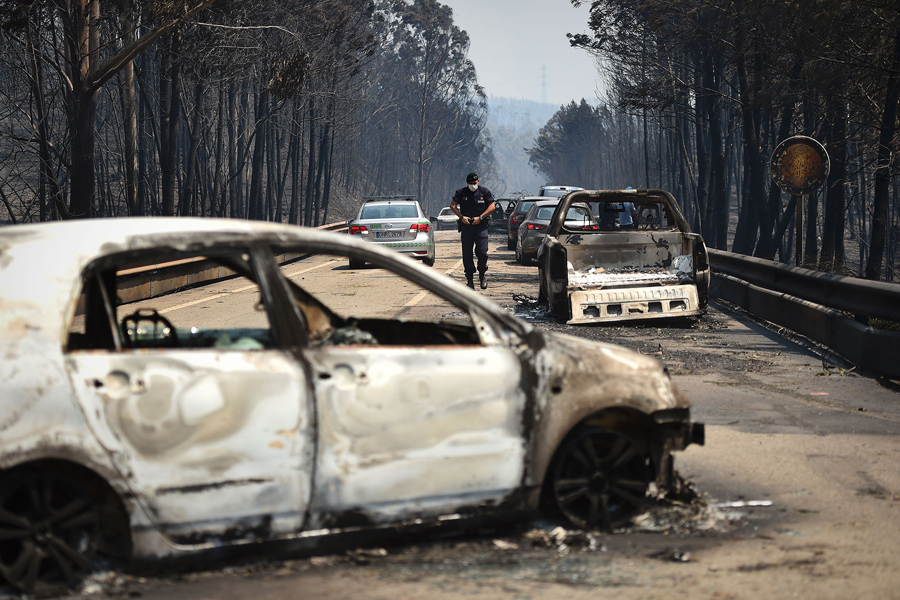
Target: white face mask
473, 187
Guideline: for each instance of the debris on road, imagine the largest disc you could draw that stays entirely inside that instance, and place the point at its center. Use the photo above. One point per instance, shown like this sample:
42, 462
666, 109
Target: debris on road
673, 555
743, 504
563, 539
504, 545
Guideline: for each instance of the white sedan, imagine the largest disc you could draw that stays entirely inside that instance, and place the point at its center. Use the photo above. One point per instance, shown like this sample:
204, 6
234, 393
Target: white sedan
446, 219
139, 428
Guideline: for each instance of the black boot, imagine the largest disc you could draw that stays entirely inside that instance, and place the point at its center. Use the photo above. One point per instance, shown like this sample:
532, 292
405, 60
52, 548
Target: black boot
482, 280
469, 282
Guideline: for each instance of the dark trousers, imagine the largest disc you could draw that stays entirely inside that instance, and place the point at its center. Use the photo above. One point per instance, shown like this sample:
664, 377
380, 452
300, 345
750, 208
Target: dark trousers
476, 237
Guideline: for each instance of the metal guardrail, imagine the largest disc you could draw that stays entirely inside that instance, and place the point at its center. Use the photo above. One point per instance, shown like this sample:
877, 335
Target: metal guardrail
809, 302
857, 296
342, 226
150, 281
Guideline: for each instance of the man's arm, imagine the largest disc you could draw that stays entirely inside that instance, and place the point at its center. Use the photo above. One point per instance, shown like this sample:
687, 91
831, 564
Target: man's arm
454, 206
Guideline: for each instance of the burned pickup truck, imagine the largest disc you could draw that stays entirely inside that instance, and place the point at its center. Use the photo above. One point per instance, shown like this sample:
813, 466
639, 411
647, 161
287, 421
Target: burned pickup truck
642, 262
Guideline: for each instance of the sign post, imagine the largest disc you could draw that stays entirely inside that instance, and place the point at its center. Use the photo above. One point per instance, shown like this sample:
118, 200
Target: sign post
799, 166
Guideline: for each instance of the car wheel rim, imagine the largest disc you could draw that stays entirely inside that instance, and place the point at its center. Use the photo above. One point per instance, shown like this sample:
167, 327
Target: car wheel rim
49, 531
600, 479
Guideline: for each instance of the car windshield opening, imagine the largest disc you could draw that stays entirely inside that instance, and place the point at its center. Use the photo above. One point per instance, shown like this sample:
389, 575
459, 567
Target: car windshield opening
636, 214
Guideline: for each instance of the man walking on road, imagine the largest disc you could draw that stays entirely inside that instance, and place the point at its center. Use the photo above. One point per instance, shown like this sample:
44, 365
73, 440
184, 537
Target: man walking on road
473, 205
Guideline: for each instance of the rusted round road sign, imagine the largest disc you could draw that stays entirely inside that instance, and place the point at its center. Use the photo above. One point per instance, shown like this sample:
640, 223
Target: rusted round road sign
799, 165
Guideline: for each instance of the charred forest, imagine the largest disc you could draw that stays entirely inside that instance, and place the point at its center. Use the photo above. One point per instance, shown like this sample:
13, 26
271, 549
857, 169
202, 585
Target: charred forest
699, 94
293, 111
280, 111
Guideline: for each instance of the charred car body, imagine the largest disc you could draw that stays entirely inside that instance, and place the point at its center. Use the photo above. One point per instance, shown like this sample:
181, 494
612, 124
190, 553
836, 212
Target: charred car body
147, 434
642, 262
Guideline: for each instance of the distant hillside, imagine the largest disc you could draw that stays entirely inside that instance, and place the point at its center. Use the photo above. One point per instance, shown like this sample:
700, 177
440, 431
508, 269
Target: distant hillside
518, 113
512, 125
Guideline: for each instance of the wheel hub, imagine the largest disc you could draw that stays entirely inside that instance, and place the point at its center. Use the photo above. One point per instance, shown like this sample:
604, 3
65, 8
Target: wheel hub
599, 483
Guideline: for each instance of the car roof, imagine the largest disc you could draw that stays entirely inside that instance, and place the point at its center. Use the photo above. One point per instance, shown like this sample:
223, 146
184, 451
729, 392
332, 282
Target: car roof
389, 202
50, 258
395, 197
529, 201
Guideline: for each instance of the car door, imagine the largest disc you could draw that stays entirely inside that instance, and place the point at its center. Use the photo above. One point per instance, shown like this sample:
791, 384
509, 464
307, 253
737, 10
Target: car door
415, 415
416, 430
212, 432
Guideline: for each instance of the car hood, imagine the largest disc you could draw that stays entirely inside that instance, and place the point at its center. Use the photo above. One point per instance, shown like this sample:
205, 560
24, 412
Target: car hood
581, 375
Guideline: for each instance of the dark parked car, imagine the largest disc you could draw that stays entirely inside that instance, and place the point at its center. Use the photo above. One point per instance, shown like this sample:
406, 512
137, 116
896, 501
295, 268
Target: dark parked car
515, 219
534, 226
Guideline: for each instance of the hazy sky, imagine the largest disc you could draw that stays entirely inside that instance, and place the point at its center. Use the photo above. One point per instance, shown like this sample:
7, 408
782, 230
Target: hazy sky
512, 39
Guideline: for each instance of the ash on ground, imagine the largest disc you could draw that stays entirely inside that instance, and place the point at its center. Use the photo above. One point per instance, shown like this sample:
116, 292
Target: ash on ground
528, 308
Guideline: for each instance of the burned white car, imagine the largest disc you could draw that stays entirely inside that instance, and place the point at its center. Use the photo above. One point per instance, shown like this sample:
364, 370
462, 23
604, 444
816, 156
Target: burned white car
642, 262
187, 387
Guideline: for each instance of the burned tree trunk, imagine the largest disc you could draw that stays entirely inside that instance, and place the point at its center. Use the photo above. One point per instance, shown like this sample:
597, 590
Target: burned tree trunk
883, 171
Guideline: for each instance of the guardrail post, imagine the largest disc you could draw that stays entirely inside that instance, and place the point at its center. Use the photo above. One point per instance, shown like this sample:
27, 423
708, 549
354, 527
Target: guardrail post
798, 242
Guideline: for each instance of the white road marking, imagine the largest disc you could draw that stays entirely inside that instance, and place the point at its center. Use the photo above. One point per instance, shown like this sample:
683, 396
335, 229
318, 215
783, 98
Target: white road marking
454, 267
207, 299
418, 297
237, 291
301, 272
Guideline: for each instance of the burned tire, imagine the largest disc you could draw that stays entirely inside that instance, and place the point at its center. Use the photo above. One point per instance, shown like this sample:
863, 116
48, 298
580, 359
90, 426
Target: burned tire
49, 531
598, 479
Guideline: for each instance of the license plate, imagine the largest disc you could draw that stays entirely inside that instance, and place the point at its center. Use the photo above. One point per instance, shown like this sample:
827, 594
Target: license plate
388, 234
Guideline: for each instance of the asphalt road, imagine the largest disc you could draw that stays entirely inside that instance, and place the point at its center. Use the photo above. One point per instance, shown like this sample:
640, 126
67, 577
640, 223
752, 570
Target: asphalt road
797, 486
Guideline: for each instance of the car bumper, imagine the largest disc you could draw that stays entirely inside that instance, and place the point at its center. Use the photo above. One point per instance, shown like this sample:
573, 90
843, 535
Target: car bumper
414, 248
420, 247
530, 244
677, 429
593, 306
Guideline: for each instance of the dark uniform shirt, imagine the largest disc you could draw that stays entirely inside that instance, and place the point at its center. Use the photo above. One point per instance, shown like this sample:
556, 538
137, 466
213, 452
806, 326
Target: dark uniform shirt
474, 204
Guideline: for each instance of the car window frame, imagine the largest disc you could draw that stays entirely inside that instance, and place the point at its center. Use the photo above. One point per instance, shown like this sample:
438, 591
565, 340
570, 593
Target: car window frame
282, 333
593, 198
